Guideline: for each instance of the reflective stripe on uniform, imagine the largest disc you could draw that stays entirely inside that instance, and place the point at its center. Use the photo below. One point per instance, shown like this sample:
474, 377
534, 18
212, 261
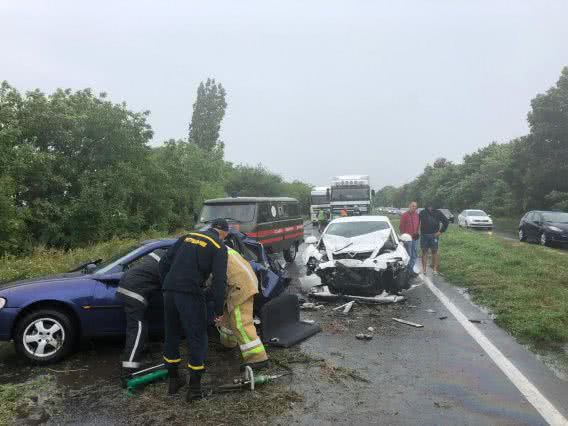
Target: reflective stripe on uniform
130, 293
154, 256
240, 326
250, 345
257, 350
128, 364
137, 341
196, 367
215, 243
172, 361
256, 345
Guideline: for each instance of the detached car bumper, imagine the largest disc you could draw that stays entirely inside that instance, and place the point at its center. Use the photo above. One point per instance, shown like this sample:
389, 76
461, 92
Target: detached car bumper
7, 321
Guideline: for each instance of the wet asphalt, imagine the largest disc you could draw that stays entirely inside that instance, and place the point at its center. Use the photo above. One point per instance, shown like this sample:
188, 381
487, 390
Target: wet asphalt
435, 375
430, 376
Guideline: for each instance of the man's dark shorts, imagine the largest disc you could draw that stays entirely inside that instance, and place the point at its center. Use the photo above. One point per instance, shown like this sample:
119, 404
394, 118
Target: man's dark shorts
429, 242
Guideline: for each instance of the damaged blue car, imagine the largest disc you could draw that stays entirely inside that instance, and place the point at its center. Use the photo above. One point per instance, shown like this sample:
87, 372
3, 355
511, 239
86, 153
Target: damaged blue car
46, 317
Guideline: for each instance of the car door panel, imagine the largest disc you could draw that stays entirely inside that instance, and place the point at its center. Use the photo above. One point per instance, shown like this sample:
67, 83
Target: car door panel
106, 311
539, 226
534, 227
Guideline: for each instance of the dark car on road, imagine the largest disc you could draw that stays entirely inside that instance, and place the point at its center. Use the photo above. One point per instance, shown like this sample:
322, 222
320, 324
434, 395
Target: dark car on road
46, 317
449, 215
544, 227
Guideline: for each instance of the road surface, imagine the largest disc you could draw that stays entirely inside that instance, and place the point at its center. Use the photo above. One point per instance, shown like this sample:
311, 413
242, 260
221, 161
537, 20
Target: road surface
435, 375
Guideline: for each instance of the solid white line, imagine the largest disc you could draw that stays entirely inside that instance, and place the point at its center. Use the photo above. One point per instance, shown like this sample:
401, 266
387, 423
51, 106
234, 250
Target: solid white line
530, 392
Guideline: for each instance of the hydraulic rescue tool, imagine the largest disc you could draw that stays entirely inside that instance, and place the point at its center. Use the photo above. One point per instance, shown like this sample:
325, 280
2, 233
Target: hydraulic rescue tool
248, 382
143, 377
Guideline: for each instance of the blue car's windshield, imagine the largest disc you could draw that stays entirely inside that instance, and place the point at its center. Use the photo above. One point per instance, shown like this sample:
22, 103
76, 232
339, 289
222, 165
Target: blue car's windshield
110, 264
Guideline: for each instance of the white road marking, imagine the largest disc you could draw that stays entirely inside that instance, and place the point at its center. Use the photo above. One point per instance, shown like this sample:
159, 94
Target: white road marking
530, 392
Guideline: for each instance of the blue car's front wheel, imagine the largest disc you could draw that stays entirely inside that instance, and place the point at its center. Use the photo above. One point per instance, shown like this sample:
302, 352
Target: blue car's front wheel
45, 335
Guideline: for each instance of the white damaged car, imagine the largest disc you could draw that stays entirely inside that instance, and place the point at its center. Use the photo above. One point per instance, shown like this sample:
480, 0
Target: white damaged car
359, 256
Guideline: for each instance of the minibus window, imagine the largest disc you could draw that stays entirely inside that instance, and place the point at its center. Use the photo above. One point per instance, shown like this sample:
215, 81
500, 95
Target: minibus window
241, 213
293, 210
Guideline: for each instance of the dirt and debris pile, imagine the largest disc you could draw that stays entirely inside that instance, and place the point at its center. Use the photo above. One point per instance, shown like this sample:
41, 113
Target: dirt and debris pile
31, 403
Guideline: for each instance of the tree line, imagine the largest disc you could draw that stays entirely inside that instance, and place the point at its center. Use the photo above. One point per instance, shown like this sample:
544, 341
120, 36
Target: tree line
506, 179
76, 168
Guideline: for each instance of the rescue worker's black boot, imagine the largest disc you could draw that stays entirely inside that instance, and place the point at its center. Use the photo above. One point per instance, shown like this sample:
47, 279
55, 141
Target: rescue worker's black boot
174, 381
194, 392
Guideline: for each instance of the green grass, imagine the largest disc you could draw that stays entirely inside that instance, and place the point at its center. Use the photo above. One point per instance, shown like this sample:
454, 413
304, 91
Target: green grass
524, 285
45, 261
19, 399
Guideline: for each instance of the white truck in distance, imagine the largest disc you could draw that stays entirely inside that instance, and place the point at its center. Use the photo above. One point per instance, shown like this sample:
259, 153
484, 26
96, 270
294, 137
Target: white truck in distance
319, 200
352, 193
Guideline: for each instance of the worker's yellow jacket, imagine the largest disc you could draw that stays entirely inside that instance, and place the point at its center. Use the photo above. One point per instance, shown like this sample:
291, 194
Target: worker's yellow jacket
237, 326
242, 283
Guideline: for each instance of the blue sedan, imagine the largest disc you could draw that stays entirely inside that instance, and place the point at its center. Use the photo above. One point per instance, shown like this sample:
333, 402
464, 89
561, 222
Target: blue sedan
47, 316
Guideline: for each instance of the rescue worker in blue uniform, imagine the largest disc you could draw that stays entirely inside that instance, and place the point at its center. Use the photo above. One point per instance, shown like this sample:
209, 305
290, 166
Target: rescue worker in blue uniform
134, 291
184, 271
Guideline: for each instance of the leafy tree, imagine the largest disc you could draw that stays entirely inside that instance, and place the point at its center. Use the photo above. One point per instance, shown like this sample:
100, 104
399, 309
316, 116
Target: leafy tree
259, 182
547, 144
77, 168
506, 179
208, 113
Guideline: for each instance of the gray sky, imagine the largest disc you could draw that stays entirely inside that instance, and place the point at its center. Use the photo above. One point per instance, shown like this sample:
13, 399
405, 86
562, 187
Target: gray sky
315, 88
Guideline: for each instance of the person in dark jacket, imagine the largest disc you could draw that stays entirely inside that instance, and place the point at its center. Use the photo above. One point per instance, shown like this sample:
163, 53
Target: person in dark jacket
134, 291
184, 271
432, 224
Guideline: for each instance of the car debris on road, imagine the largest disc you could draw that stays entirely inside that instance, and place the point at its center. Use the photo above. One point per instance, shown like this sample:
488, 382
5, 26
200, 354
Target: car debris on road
413, 324
309, 306
383, 298
363, 336
346, 307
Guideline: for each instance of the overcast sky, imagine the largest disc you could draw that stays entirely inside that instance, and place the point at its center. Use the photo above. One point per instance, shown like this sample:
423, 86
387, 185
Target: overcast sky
315, 88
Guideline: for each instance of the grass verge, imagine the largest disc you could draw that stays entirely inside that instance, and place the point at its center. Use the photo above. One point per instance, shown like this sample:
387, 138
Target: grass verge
32, 401
46, 261
525, 286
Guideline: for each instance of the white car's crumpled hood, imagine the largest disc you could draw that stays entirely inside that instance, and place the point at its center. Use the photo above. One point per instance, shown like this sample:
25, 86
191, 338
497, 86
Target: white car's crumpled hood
364, 243
361, 243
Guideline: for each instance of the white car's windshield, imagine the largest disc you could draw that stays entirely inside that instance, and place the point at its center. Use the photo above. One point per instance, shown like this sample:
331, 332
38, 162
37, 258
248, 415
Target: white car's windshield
354, 229
476, 213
